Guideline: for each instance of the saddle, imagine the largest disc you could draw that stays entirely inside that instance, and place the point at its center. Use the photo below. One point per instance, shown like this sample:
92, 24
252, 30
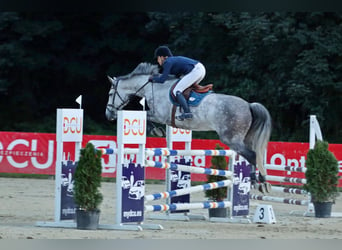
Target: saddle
195, 91
193, 88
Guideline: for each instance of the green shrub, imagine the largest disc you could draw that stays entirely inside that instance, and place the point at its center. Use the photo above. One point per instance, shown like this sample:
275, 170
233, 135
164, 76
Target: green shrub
88, 179
322, 173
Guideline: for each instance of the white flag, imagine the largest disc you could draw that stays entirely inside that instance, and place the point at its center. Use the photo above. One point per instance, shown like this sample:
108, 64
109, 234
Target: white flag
142, 102
79, 100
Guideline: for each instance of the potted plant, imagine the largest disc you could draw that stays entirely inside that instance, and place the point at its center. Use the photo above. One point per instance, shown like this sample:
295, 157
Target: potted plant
322, 178
86, 188
219, 194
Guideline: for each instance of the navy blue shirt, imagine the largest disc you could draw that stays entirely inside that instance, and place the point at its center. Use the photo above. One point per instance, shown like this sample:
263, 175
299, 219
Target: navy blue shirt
175, 65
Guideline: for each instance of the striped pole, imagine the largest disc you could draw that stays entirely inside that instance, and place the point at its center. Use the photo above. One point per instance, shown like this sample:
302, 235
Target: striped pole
110, 151
171, 152
286, 168
288, 190
279, 200
178, 192
184, 206
286, 179
190, 169
106, 151
198, 152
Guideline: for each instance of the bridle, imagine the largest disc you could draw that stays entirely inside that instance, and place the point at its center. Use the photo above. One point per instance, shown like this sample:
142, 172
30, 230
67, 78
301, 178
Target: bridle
115, 93
111, 106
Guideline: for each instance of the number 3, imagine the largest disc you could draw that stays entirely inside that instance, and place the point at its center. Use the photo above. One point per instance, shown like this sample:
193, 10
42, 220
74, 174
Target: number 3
261, 215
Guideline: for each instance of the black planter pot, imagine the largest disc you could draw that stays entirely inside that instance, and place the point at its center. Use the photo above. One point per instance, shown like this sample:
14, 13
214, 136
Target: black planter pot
87, 220
218, 212
322, 209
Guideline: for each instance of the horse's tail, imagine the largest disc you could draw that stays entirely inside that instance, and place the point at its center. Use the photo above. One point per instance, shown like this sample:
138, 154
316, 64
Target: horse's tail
259, 133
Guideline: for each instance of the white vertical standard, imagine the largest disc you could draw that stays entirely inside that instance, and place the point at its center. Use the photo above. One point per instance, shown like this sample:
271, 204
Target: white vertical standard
176, 135
131, 129
69, 128
315, 131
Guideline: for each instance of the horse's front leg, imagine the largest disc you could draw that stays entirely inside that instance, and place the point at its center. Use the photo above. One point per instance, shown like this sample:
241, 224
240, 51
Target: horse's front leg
260, 182
253, 177
264, 186
250, 156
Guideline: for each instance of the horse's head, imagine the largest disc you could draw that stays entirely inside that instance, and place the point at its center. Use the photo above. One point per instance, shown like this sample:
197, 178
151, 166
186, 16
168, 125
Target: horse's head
114, 100
124, 87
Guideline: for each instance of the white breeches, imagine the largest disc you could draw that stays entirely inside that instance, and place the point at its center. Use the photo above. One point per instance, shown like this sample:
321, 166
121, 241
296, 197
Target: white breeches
194, 76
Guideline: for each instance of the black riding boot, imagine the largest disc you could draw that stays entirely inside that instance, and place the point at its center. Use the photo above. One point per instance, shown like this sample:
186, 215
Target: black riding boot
186, 110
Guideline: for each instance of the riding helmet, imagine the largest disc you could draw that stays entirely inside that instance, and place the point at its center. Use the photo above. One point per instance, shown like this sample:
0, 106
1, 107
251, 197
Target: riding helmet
162, 51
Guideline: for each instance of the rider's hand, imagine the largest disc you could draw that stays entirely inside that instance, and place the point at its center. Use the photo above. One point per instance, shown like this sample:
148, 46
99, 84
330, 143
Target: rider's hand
150, 79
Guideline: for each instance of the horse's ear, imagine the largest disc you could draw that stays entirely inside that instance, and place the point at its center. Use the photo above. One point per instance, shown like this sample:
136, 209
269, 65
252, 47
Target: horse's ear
111, 79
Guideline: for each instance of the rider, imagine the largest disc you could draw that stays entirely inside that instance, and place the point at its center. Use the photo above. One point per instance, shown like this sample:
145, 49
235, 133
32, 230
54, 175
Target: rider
191, 71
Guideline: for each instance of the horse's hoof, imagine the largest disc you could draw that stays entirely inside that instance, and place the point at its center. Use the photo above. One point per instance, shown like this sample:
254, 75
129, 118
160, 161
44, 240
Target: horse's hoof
268, 187
265, 187
262, 188
158, 132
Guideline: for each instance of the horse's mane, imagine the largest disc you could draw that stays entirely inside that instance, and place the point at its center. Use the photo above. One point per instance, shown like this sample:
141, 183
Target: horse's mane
143, 68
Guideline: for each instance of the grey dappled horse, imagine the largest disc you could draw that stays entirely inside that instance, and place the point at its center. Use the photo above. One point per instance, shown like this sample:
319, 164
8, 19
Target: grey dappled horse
244, 127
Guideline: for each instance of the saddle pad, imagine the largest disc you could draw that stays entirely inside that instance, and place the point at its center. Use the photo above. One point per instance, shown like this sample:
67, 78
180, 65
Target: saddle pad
194, 98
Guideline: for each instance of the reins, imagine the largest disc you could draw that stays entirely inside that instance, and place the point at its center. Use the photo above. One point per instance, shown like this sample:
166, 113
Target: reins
143, 86
116, 93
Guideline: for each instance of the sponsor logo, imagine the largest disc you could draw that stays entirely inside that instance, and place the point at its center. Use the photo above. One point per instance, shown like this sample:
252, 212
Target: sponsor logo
280, 159
135, 127
72, 125
20, 152
176, 131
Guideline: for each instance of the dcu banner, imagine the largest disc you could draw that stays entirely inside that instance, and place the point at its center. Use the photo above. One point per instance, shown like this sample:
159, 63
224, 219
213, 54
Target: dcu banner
35, 153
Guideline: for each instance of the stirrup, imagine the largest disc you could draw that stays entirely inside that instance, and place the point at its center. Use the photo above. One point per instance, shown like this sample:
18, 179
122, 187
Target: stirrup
184, 116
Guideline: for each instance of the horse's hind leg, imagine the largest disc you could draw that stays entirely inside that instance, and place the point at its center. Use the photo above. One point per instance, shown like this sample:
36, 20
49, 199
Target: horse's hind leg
250, 156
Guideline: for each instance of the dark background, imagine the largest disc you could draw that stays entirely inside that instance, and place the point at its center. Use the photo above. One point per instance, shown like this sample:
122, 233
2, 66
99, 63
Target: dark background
288, 61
